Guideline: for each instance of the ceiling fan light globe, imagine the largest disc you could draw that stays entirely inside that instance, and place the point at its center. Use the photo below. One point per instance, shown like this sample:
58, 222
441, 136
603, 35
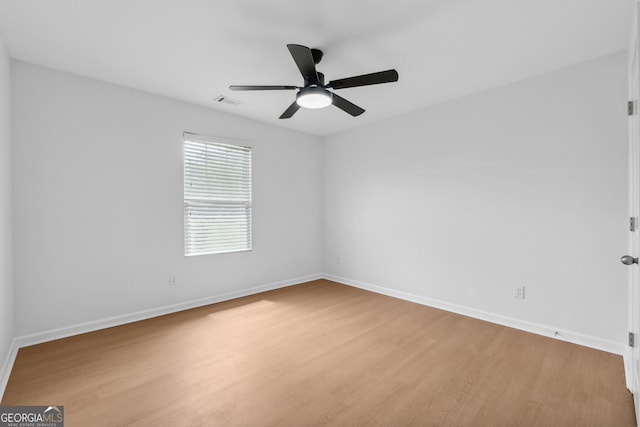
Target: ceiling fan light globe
314, 98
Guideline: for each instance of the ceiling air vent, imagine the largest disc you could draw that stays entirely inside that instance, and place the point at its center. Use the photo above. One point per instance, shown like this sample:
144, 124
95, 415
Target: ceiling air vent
226, 100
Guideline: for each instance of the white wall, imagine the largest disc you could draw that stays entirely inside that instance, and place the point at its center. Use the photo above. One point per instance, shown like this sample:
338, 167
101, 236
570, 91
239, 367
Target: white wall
524, 184
98, 202
6, 209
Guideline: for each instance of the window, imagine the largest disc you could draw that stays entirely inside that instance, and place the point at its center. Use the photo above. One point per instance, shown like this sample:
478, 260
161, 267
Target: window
217, 196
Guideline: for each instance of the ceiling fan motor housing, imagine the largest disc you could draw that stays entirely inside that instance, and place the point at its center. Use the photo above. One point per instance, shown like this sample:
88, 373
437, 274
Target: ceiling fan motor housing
314, 82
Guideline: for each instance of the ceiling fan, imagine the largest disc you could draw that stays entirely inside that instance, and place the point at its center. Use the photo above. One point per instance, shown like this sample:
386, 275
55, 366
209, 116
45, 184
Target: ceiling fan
315, 93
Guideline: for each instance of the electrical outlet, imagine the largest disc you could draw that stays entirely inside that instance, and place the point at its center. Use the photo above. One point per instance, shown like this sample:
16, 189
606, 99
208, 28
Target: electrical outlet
338, 260
518, 292
172, 280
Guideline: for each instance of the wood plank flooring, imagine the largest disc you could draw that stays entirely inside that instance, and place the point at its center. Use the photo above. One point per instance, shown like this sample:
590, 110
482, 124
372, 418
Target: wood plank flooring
317, 354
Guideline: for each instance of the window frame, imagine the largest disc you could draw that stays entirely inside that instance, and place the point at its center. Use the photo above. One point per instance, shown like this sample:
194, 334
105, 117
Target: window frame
221, 142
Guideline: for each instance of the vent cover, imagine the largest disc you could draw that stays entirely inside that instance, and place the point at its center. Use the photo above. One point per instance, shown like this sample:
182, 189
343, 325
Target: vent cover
226, 100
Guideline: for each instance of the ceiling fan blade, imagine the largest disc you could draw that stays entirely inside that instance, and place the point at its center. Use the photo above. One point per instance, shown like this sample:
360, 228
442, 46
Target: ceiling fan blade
347, 106
290, 111
387, 76
263, 87
304, 60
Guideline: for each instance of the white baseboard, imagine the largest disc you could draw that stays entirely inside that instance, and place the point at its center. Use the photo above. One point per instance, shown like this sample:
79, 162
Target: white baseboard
7, 366
632, 383
536, 328
54, 334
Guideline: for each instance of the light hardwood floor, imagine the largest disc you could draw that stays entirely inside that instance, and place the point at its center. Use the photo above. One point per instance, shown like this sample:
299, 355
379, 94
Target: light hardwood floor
321, 353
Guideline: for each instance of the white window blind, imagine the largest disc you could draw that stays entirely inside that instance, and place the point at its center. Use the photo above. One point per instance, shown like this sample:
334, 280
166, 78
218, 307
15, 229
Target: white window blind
217, 197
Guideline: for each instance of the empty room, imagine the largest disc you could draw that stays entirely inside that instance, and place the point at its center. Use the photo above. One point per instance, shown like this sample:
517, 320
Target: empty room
290, 213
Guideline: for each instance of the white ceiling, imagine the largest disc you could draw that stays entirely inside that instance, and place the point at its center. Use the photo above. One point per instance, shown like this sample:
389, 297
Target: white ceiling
193, 50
